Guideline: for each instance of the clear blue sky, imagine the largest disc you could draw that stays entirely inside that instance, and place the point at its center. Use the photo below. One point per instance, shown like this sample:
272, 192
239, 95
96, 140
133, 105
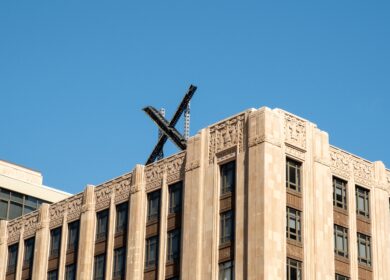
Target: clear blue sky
74, 75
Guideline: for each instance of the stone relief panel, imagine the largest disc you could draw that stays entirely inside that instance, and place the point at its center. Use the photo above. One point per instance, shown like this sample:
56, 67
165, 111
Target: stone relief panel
14, 230
122, 188
225, 135
174, 166
294, 152
340, 163
103, 196
295, 131
363, 171
73, 207
28, 224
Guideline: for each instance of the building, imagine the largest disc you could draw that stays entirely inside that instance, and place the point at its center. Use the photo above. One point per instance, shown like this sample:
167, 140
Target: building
260, 195
22, 191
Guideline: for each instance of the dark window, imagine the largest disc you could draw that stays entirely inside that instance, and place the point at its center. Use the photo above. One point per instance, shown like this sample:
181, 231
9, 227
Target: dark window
55, 242
341, 241
339, 193
293, 175
119, 263
293, 227
151, 252
364, 249
99, 267
73, 236
101, 225
362, 202
226, 227
226, 271
52, 275
228, 177
12, 258
121, 218
70, 272
175, 197
153, 205
173, 250
341, 277
294, 269
28, 257
14, 204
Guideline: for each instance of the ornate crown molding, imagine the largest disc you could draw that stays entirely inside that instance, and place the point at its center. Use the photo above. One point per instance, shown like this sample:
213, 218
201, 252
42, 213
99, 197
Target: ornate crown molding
340, 163
295, 131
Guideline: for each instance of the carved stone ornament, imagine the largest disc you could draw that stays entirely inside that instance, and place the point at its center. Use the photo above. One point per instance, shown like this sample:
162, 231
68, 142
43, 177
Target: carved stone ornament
57, 212
14, 229
226, 135
122, 189
31, 223
340, 163
73, 207
295, 131
226, 155
103, 196
295, 152
174, 166
363, 171
256, 140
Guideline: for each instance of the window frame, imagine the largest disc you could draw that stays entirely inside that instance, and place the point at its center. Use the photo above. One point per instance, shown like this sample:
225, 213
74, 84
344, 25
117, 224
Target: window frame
297, 165
102, 218
226, 267
294, 264
342, 232
174, 191
226, 232
340, 184
28, 254
73, 226
11, 268
296, 216
365, 241
119, 274
121, 209
172, 237
153, 197
362, 193
149, 262
54, 253
226, 171
99, 268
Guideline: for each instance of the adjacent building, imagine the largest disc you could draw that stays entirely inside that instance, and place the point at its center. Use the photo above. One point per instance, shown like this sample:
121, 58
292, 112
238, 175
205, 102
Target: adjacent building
260, 195
22, 191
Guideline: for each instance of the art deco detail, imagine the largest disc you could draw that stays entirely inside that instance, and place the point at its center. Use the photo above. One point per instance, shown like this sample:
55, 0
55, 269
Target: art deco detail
295, 152
295, 131
363, 171
173, 166
339, 163
226, 135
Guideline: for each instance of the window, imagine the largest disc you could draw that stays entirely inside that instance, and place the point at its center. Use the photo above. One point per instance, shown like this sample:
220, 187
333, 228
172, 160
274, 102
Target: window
175, 198
226, 271
341, 241
151, 252
55, 242
362, 202
119, 263
226, 227
293, 227
173, 250
364, 249
28, 257
70, 272
52, 275
73, 236
99, 267
14, 204
339, 193
293, 175
294, 269
341, 277
101, 225
12, 258
153, 205
121, 218
228, 177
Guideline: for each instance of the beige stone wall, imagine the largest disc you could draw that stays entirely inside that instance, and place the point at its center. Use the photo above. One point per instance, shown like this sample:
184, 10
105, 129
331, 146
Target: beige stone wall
259, 141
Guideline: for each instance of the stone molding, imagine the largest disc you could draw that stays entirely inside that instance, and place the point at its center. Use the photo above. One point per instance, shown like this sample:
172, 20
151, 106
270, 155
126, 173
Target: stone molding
256, 140
295, 152
294, 131
340, 163
225, 135
173, 166
26, 226
363, 171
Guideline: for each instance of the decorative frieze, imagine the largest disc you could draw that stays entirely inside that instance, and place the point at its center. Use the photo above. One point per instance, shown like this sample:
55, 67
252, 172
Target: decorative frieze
295, 131
225, 135
31, 223
340, 163
363, 171
103, 196
174, 166
122, 189
73, 207
14, 230
226, 155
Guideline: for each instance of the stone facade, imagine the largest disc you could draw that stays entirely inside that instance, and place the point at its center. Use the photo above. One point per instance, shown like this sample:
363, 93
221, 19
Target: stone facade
259, 141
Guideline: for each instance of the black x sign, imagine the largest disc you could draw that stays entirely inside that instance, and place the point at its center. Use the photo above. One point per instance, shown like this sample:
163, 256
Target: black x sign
168, 128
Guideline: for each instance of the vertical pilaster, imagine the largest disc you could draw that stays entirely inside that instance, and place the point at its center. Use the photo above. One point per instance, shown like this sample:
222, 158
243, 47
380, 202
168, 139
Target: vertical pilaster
3, 248
266, 197
163, 229
136, 228
323, 201
19, 264
380, 218
42, 241
87, 235
353, 250
64, 240
110, 238
191, 267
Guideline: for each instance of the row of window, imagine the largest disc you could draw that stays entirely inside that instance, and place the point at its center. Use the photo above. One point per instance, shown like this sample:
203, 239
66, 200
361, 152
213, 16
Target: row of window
14, 204
294, 183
